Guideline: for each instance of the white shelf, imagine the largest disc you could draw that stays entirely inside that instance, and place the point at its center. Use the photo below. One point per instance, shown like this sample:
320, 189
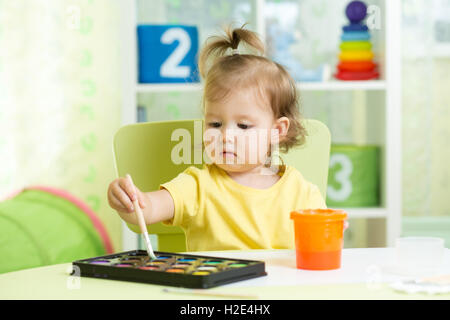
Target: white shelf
306, 86
390, 101
375, 212
167, 87
343, 85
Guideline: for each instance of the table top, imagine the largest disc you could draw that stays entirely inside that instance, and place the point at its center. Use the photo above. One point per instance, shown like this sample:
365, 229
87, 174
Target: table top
364, 274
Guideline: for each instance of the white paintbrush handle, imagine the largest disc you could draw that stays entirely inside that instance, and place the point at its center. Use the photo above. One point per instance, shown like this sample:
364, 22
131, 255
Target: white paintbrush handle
141, 221
144, 229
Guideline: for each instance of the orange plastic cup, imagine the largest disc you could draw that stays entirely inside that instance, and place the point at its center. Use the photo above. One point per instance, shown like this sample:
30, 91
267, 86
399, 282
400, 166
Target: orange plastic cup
319, 238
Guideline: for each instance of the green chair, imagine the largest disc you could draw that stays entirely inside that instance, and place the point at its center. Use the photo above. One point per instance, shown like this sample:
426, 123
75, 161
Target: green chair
144, 151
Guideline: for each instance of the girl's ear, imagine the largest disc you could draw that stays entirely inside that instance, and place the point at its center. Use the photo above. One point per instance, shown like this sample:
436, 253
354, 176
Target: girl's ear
280, 129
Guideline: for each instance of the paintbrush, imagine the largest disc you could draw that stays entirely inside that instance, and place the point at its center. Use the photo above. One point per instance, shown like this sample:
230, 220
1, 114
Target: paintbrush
141, 221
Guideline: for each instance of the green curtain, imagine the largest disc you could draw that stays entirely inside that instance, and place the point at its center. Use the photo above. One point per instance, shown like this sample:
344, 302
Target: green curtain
60, 98
426, 100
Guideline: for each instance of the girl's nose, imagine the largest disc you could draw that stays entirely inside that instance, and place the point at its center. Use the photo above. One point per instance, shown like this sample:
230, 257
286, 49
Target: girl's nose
227, 135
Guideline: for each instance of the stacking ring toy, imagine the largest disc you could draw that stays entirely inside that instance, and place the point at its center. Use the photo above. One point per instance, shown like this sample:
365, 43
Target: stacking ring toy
355, 57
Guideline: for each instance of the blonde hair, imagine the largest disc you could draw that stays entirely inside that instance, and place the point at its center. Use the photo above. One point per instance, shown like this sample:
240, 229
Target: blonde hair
223, 73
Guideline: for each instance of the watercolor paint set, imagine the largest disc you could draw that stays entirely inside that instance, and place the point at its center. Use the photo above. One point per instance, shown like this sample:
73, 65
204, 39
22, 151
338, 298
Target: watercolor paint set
171, 269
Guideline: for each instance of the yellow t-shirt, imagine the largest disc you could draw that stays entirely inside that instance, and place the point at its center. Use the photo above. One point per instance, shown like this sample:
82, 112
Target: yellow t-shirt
218, 213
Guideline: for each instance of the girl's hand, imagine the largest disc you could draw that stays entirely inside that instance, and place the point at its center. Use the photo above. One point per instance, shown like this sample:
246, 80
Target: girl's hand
121, 196
346, 224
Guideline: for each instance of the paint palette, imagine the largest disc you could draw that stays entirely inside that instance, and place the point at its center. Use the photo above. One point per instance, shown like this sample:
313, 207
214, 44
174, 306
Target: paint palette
172, 269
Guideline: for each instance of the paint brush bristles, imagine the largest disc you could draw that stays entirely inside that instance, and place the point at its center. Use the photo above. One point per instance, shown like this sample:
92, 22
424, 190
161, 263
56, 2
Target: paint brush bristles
141, 220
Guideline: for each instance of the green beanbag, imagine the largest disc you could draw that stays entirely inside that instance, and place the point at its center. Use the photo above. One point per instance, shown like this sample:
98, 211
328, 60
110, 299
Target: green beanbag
41, 226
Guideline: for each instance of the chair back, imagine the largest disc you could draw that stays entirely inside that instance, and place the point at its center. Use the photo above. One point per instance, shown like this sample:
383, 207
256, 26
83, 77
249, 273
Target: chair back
153, 152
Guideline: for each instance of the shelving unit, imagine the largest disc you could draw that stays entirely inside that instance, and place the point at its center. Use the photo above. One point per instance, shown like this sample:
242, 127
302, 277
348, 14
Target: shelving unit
310, 86
388, 87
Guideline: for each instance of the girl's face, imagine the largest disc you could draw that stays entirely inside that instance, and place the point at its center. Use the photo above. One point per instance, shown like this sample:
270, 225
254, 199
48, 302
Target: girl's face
240, 130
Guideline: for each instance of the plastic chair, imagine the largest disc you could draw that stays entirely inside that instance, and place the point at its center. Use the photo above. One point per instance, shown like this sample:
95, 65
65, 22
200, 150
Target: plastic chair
144, 151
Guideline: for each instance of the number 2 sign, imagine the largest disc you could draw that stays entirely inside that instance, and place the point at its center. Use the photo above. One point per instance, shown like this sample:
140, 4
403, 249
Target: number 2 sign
167, 53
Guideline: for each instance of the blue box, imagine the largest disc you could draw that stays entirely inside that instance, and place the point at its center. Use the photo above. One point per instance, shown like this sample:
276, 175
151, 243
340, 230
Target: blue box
167, 53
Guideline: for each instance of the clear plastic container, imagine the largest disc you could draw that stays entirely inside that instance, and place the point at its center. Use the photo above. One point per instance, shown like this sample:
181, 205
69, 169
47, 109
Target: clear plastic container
419, 254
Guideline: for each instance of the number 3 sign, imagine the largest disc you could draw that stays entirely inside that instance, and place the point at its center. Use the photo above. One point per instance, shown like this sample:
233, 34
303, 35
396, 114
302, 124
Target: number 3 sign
167, 53
353, 179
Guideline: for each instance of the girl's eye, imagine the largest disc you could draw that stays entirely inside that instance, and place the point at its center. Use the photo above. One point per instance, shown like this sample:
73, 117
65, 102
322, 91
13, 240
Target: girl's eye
214, 124
243, 126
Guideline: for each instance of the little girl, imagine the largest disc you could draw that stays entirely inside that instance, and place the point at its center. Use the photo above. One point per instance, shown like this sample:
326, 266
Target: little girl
237, 201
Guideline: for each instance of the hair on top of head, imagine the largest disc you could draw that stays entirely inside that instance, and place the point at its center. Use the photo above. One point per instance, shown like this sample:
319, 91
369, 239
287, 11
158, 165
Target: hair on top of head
225, 71
217, 46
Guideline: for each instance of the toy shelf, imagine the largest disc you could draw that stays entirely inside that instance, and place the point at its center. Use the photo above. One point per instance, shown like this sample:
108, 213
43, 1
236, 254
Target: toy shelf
309, 86
381, 99
366, 212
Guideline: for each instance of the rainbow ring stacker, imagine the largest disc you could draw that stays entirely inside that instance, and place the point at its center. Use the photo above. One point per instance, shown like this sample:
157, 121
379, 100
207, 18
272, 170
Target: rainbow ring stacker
355, 58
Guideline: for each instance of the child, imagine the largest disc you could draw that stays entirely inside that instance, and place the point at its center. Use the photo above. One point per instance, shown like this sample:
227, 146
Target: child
238, 201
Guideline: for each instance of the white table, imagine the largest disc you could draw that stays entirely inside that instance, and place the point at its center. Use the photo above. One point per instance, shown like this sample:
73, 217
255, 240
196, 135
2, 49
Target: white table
366, 265
362, 276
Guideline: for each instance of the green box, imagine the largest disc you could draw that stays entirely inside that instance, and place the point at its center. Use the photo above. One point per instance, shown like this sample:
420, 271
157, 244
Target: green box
353, 177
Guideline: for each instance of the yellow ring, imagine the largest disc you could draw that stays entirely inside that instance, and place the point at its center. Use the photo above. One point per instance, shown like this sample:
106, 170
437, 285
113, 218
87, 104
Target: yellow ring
355, 46
356, 56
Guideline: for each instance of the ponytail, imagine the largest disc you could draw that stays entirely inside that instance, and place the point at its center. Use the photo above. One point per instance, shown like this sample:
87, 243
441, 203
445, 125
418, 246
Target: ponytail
219, 45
